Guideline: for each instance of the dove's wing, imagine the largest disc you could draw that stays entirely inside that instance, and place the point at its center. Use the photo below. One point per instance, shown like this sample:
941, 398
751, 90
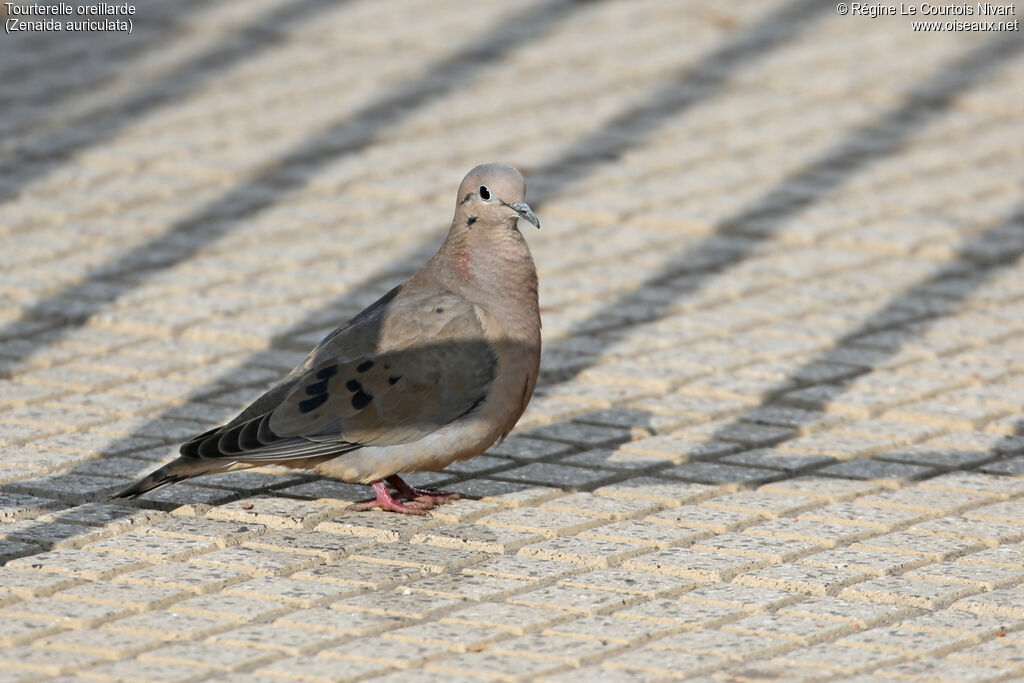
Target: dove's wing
394, 374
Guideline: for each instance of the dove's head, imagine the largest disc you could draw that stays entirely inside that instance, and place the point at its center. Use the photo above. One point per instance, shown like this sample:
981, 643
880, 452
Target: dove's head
493, 194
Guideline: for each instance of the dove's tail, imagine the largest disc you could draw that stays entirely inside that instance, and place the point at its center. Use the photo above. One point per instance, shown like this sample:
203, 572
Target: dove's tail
177, 470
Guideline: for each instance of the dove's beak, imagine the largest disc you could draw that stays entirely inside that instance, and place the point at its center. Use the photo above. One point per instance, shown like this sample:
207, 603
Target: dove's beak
524, 211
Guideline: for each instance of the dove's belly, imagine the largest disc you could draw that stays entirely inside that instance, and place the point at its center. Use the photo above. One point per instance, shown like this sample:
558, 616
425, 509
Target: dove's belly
458, 441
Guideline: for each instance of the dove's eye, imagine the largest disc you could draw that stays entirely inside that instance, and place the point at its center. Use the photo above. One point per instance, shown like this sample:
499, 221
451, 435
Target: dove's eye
484, 193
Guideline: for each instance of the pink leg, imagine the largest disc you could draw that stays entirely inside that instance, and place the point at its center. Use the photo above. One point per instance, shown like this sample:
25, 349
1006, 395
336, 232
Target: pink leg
385, 501
406, 492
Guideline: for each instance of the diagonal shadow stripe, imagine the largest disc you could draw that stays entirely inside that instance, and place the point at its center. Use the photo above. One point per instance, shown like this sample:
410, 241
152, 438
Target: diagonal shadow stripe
107, 119
869, 143
345, 136
1002, 242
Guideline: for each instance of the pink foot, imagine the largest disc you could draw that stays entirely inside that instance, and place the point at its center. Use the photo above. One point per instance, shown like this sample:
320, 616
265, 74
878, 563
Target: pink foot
385, 501
406, 492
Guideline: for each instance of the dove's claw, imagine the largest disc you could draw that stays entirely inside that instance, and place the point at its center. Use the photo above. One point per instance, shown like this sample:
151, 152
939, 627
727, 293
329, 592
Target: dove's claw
385, 501
406, 492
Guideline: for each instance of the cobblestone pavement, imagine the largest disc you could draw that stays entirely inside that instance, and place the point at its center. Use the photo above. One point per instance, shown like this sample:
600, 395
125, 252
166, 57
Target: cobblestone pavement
778, 431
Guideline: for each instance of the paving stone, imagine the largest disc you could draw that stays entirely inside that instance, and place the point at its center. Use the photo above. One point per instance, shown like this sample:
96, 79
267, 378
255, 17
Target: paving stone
926, 500
276, 638
207, 655
140, 597
825, 534
494, 666
434, 638
877, 471
1004, 602
645, 532
779, 460
737, 646
837, 658
319, 669
729, 476
15, 506
984, 576
106, 644
894, 639
479, 537
319, 544
719, 520
538, 520
1003, 556
462, 586
957, 622
748, 545
588, 552
521, 568
661, 491
822, 488
186, 576
380, 526
152, 547
979, 483
768, 505
860, 613
236, 607
789, 627
994, 652
901, 590
289, 590
550, 474
282, 513
222, 533
17, 630
423, 557
926, 545
506, 493
1011, 512
872, 516
612, 509
628, 582
84, 564
556, 648
37, 660
170, 625
945, 669
615, 628
875, 563
399, 603
256, 561
518, 619
340, 621
810, 580
664, 663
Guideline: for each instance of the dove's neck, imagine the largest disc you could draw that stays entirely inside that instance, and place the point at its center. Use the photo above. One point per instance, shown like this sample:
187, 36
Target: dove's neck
491, 266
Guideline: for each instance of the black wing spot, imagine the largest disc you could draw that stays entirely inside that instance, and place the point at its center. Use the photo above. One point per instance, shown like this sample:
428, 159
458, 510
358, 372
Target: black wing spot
361, 399
364, 366
439, 309
327, 372
311, 404
353, 385
316, 388
394, 380
476, 404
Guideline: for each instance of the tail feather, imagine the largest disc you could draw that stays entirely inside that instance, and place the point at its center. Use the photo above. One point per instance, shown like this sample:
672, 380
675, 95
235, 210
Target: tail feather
177, 470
